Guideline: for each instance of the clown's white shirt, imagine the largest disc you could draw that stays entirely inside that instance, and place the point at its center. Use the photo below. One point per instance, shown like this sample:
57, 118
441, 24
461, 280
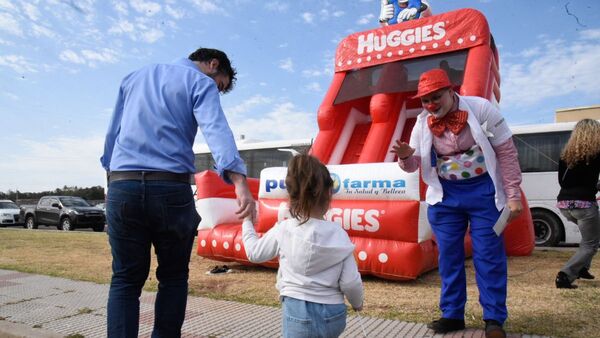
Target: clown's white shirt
480, 112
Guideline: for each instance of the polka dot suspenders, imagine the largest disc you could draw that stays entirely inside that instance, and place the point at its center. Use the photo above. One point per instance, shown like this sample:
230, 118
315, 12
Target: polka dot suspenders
461, 166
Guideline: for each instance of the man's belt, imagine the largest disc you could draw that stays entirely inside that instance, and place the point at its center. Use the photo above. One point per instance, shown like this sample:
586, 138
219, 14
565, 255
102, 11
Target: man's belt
148, 176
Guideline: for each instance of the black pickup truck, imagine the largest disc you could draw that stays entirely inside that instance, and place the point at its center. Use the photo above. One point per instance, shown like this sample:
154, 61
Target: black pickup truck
65, 212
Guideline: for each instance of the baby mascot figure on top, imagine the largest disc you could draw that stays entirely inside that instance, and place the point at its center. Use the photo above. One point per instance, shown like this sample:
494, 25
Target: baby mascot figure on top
394, 11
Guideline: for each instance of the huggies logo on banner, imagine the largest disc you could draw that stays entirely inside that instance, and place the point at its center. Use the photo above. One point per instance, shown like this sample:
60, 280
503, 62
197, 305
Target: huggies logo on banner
356, 219
371, 42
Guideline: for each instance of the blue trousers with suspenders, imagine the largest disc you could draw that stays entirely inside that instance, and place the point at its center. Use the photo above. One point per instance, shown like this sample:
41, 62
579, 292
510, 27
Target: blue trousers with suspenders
469, 204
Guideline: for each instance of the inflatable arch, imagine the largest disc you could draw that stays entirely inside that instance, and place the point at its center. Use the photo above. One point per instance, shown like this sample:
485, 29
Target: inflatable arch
369, 105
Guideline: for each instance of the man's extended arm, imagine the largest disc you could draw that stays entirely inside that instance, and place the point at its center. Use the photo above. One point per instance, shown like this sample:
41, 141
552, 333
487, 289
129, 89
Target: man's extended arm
213, 124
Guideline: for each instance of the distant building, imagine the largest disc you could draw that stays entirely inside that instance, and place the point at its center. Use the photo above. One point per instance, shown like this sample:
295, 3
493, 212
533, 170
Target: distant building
576, 114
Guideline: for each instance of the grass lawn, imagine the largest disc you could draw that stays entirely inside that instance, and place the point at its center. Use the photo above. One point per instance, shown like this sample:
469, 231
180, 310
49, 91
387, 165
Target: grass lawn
535, 305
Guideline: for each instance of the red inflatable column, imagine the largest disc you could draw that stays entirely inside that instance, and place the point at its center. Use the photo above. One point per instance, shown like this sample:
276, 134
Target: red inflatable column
477, 72
331, 120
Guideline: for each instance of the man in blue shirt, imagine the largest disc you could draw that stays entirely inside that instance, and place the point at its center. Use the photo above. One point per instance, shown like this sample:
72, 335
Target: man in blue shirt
149, 160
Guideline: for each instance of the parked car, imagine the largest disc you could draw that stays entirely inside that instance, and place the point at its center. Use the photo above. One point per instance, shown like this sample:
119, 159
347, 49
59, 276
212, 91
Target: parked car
9, 213
65, 212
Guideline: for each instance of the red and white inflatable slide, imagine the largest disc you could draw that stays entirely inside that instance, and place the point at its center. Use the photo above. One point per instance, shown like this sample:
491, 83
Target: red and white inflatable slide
366, 108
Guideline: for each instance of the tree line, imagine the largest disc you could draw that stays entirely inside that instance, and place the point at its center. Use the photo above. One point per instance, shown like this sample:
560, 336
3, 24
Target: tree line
90, 193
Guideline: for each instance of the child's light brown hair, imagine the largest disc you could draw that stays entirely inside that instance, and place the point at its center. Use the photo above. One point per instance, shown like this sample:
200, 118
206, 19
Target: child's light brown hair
309, 184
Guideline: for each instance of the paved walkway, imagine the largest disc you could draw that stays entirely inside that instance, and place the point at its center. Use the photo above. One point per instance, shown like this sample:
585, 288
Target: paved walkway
48, 307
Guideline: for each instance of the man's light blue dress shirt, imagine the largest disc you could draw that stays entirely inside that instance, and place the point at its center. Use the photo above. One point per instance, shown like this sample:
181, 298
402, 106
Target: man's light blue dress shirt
156, 118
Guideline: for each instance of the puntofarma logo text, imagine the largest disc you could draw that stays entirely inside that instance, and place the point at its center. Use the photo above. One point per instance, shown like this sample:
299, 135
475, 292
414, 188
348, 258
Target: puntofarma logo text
337, 183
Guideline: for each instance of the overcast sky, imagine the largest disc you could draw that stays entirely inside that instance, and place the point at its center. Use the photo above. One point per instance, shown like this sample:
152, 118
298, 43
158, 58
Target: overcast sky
61, 62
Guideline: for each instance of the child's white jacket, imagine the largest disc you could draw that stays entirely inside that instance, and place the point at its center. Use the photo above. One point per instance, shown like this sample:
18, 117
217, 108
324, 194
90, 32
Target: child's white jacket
316, 261
481, 114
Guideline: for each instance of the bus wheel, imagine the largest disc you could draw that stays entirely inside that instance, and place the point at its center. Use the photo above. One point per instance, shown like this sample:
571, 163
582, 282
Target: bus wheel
548, 229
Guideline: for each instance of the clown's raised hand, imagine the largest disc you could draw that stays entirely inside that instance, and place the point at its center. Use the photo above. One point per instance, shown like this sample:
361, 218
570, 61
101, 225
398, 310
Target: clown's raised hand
402, 150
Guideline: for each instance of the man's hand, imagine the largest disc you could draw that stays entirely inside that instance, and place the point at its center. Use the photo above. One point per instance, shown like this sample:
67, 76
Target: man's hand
407, 14
515, 208
387, 11
243, 195
402, 150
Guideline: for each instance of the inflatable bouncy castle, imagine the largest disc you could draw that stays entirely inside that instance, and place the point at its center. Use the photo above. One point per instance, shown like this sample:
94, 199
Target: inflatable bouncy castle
367, 107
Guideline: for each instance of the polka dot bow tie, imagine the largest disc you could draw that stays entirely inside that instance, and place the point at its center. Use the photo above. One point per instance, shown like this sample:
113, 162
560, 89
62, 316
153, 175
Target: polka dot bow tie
454, 121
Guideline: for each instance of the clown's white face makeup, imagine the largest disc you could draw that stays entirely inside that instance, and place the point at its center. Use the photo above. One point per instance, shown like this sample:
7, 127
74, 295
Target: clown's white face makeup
439, 102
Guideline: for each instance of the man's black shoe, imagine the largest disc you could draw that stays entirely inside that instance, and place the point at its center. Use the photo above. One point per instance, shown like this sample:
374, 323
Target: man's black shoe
493, 329
444, 325
563, 282
584, 273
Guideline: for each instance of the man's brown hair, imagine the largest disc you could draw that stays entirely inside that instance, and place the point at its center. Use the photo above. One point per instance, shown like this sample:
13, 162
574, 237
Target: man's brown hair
225, 68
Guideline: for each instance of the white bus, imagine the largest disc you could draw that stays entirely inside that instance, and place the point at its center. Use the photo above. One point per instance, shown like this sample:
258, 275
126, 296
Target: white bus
256, 155
539, 149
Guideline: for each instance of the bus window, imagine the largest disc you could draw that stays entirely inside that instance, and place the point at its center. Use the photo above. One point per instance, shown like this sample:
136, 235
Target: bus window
541, 151
204, 161
256, 159
399, 76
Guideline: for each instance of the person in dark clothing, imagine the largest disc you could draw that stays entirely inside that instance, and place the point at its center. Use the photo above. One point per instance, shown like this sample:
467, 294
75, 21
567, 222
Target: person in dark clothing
578, 172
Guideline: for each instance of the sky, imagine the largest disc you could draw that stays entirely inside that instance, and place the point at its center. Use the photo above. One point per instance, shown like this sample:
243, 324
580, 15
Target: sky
61, 63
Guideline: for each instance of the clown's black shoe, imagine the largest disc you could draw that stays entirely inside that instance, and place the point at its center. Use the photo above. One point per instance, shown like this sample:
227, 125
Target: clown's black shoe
493, 329
444, 325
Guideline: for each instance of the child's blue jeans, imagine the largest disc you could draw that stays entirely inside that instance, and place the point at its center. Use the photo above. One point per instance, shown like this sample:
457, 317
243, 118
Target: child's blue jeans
307, 319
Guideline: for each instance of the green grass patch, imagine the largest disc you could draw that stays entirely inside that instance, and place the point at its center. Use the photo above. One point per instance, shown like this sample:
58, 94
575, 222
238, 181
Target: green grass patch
535, 306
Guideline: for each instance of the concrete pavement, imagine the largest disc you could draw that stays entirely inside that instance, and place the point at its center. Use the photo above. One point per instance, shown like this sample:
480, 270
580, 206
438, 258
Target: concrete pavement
48, 307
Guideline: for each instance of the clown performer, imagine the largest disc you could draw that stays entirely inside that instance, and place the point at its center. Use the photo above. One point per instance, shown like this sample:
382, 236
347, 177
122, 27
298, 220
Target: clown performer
394, 11
469, 162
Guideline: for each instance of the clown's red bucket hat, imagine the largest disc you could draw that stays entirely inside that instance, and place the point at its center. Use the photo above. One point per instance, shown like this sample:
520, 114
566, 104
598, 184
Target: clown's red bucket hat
431, 81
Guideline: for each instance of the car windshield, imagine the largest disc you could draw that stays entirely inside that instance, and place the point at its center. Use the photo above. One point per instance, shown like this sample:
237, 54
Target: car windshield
8, 205
74, 202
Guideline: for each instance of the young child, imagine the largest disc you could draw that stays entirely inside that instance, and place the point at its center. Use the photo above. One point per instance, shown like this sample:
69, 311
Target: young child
316, 261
